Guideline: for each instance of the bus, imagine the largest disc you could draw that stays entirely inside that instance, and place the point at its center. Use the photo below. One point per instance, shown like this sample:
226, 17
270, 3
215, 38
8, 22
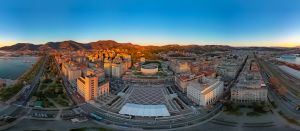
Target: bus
95, 116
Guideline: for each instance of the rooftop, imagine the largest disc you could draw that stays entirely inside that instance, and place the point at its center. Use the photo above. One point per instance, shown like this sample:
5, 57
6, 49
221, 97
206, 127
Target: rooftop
204, 84
144, 110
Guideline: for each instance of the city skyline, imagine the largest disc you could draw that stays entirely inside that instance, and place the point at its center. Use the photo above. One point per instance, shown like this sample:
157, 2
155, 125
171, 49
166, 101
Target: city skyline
233, 23
150, 65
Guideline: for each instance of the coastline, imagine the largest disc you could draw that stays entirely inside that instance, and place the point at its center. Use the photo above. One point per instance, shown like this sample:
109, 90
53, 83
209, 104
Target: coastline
22, 63
29, 69
4, 53
295, 61
13, 89
11, 82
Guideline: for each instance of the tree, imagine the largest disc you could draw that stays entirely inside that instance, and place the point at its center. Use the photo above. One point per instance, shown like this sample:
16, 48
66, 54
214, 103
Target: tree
274, 81
282, 90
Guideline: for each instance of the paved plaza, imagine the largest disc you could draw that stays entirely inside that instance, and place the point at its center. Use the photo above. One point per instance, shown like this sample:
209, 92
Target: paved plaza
147, 95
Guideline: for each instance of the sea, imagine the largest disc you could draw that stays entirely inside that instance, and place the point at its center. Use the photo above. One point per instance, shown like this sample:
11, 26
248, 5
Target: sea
13, 67
289, 60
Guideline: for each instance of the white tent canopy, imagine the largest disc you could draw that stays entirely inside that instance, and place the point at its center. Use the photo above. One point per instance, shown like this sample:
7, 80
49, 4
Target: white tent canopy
144, 110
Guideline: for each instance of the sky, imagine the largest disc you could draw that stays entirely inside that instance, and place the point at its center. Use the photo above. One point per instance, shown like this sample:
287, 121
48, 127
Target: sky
152, 22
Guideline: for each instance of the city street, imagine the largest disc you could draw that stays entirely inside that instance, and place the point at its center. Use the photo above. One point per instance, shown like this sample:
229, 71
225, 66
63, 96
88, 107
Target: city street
20, 103
72, 93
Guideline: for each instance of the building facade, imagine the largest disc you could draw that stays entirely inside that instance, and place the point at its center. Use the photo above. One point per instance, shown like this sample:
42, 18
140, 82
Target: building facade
206, 91
103, 88
91, 86
181, 81
71, 71
249, 95
88, 87
178, 66
107, 67
250, 87
117, 70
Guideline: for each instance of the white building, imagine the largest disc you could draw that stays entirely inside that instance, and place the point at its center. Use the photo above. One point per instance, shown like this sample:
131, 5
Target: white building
248, 95
205, 91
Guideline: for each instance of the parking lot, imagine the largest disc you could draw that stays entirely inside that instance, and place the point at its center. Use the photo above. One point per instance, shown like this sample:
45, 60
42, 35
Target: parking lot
36, 113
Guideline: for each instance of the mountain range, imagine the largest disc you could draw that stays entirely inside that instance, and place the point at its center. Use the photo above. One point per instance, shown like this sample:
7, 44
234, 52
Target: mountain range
106, 44
63, 45
110, 44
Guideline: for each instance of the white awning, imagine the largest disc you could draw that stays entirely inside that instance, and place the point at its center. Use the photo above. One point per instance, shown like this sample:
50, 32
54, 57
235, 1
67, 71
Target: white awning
144, 110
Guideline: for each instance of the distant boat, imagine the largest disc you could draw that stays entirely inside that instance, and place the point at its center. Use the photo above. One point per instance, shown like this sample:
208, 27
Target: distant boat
288, 56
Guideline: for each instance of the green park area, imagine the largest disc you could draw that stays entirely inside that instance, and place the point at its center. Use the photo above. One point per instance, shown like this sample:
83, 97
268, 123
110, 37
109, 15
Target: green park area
251, 114
50, 93
26, 78
257, 109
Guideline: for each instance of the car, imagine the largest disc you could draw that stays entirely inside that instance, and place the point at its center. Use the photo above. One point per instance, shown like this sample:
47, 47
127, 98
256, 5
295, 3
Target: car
298, 107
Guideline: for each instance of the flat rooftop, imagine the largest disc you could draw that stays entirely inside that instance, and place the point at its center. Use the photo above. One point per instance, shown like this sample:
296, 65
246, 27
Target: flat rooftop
144, 110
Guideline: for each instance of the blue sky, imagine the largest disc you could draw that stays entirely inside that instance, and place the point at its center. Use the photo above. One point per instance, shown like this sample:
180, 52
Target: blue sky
233, 22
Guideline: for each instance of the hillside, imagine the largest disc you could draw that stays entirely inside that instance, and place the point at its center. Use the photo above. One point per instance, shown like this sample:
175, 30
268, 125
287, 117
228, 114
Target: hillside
20, 47
64, 45
110, 44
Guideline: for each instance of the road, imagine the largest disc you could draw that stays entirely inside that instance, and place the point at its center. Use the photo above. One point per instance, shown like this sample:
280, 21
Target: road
172, 122
72, 92
27, 124
109, 117
17, 109
27, 93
